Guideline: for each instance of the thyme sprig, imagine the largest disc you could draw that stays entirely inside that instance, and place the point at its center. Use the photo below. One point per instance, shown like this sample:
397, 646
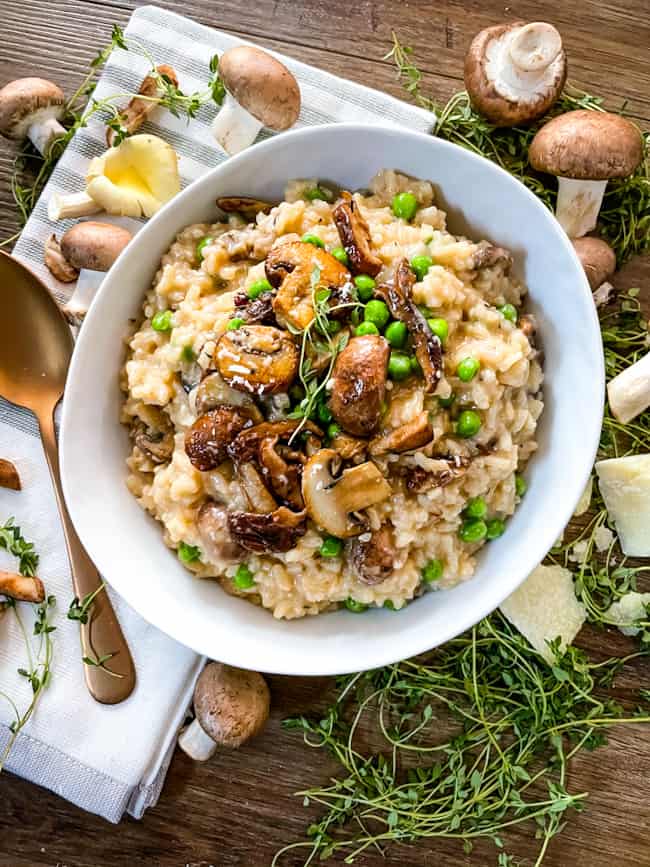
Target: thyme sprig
82, 610
13, 541
624, 220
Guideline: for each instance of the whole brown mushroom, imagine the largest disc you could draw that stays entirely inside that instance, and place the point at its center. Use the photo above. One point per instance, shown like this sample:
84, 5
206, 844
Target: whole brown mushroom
597, 258
32, 108
260, 91
231, 706
515, 72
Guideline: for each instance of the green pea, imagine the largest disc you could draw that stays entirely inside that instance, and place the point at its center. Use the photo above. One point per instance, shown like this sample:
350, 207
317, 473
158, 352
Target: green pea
243, 578
365, 286
467, 369
331, 547
324, 413
366, 328
432, 571
396, 334
509, 312
162, 321
200, 247
340, 255
415, 365
420, 265
399, 366
312, 239
475, 508
521, 485
259, 287
333, 430
316, 193
446, 402
188, 553
495, 528
187, 354
376, 312
404, 205
353, 605
473, 531
468, 423
235, 323
439, 327
390, 605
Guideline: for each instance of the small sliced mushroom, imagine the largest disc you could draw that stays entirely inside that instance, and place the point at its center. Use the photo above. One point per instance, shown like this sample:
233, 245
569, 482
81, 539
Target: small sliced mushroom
528, 325
21, 587
355, 237
134, 115
296, 269
447, 469
260, 311
250, 208
9, 477
373, 558
56, 262
206, 442
398, 294
245, 446
283, 477
348, 447
413, 435
257, 359
487, 255
154, 434
217, 544
330, 500
359, 384
256, 492
213, 392
277, 531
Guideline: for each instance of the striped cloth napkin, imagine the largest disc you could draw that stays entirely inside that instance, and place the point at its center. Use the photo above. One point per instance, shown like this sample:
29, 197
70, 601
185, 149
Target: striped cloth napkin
109, 760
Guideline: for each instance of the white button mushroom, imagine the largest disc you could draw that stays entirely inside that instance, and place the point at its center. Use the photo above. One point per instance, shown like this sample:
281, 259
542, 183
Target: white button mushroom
585, 149
260, 92
231, 706
515, 72
32, 108
597, 258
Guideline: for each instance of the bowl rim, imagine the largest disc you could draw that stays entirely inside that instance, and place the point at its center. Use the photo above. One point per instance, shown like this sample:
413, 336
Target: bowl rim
167, 620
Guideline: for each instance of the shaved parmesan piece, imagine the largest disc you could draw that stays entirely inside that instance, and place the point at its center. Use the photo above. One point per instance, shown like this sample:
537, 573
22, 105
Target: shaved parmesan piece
629, 392
625, 486
545, 608
585, 499
627, 610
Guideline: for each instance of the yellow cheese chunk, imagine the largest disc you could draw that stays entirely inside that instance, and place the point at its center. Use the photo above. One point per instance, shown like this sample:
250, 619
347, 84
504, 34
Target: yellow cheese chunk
625, 486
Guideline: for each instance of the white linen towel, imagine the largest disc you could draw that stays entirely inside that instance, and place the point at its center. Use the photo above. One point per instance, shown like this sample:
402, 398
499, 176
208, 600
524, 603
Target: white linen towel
109, 760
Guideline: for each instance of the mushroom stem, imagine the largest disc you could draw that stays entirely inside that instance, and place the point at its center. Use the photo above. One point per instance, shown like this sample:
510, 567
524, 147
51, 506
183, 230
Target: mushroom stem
75, 205
235, 128
196, 743
535, 46
578, 204
42, 133
629, 392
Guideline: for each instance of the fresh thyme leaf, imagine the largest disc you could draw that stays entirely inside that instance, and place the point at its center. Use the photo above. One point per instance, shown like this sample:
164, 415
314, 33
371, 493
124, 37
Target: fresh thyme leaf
81, 610
12, 540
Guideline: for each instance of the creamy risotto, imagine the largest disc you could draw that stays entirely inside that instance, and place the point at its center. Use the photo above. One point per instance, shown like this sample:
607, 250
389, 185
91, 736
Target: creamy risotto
331, 399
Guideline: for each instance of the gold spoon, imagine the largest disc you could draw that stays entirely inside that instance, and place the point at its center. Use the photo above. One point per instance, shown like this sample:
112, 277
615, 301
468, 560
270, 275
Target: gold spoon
35, 349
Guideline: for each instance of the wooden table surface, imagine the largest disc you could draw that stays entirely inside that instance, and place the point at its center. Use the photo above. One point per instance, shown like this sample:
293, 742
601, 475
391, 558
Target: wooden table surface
238, 809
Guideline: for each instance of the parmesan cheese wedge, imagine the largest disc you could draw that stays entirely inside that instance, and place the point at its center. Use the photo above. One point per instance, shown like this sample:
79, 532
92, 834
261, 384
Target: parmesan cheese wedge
545, 608
629, 392
625, 486
627, 610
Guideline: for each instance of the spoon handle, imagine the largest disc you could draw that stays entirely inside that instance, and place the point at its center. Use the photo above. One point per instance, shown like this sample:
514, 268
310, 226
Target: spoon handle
102, 635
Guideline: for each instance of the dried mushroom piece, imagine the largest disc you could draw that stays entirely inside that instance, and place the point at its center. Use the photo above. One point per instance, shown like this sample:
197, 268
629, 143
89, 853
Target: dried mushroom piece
359, 384
443, 470
22, 588
296, 269
134, 115
355, 237
373, 558
413, 435
331, 499
398, 294
276, 531
9, 477
153, 434
257, 359
244, 205
487, 255
207, 441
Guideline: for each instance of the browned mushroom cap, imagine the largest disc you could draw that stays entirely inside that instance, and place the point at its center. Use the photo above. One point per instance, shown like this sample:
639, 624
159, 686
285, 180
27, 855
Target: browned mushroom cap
32, 107
22, 588
290, 268
217, 543
412, 435
276, 531
231, 706
261, 85
373, 558
515, 72
359, 384
587, 145
56, 262
597, 258
94, 245
9, 477
355, 237
206, 442
137, 111
257, 359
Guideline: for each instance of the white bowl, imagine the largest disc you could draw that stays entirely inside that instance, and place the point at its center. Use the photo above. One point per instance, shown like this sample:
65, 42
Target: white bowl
126, 544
